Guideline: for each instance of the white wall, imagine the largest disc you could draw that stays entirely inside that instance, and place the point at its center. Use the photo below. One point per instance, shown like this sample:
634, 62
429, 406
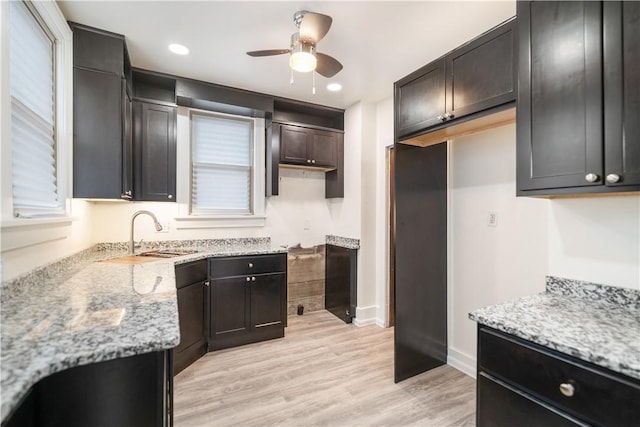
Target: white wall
384, 139
596, 239
301, 200
71, 238
488, 265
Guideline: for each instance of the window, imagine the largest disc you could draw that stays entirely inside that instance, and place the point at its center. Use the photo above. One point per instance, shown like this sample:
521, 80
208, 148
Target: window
224, 155
38, 118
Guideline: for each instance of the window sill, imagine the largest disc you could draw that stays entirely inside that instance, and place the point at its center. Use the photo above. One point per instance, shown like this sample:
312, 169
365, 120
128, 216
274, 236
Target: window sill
21, 233
200, 222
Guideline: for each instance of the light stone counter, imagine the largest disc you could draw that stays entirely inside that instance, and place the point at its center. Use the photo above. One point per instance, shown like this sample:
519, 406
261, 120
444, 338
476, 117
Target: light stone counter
78, 310
596, 323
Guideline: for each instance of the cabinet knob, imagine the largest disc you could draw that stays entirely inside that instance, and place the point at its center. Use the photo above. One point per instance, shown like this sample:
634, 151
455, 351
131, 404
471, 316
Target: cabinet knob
250, 265
308, 160
170, 196
248, 279
567, 389
612, 178
206, 283
591, 177
253, 279
448, 116
313, 161
441, 118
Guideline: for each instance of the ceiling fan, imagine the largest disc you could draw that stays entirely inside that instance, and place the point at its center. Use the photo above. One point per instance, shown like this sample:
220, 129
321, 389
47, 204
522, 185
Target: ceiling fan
312, 27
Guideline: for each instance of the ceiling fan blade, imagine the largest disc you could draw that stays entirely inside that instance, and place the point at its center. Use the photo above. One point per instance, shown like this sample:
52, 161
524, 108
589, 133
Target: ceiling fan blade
269, 52
327, 66
314, 26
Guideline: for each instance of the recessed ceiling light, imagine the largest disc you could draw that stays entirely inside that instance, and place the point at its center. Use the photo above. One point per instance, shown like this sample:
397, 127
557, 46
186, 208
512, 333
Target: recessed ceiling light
334, 87
178, 49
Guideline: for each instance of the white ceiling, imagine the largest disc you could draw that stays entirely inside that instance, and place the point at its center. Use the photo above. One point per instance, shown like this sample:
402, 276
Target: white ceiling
378, 42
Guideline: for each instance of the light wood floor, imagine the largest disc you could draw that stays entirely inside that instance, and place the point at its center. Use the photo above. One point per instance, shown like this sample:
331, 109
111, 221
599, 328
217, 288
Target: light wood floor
323, 373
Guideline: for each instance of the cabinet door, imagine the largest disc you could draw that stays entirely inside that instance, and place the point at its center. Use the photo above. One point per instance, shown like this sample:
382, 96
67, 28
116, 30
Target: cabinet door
268, 301
420, 99
323, 148
622, 93
192, 312
293, 145
559, 120
154, 140
482, 74
97, 134
98, 50
230, 308
127, 145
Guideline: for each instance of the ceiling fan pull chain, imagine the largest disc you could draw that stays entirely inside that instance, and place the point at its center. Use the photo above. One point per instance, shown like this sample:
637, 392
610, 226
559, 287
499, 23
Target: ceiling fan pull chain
291, 79
314, 82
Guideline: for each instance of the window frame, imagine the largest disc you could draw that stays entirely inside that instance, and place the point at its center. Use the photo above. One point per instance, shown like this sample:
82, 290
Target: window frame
53, 22
186, 219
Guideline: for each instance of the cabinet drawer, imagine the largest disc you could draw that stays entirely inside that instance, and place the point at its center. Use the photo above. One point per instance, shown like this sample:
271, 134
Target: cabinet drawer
245, 265
192, 272
500, 405
598, 397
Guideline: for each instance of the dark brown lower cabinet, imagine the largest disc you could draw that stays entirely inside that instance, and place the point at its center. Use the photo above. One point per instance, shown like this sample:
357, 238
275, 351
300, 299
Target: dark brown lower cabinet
248, 299
132, 391
522, 383
500, 405
420, 339
341, 281
192, 286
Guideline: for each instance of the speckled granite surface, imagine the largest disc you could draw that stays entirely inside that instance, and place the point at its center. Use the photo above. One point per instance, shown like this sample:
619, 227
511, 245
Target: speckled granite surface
344, 242
78, 311
596, 323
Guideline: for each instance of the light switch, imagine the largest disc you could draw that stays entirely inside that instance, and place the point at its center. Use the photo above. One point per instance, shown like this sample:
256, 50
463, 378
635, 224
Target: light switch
492, 219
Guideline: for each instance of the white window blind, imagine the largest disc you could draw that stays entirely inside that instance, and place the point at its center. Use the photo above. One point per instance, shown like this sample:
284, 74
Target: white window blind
221, 165
35, 188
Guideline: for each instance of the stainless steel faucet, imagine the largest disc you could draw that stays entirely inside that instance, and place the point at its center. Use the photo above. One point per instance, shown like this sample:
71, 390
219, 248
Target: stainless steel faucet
133, 217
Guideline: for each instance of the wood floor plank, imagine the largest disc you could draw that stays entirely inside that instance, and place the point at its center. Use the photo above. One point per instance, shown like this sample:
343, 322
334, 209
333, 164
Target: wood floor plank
323, 373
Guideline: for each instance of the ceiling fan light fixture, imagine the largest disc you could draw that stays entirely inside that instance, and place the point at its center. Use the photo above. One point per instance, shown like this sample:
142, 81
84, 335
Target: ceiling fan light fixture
303, 58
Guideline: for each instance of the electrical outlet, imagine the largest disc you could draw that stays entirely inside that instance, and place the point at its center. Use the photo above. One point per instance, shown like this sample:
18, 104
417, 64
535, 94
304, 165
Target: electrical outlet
307, 224
165, 227
492, 219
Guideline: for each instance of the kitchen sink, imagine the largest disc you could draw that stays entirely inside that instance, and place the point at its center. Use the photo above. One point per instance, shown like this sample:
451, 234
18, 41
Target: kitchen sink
149, 256
167, 253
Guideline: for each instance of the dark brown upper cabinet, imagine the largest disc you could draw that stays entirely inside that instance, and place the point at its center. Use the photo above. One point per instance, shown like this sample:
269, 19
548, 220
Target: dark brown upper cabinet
308, 147
622, 93
420, 99
154, 144
463, 84
570, 138
101, 115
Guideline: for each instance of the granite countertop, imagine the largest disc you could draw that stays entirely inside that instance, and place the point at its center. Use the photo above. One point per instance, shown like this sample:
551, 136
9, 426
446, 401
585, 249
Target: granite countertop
596, 323
343, 242
78, 310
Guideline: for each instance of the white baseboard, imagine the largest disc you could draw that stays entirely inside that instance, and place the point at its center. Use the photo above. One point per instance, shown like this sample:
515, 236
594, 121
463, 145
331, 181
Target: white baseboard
462, 362
366, 316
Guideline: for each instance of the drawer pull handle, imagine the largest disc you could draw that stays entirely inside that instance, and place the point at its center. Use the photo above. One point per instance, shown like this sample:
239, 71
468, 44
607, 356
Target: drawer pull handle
612, 178
591, 177
567, 389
